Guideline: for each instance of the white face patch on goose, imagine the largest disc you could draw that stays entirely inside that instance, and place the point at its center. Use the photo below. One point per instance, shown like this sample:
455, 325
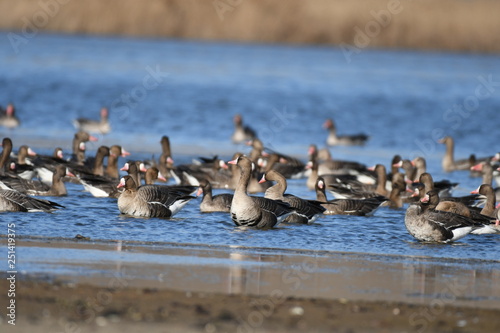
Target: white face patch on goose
82, 146
321, 184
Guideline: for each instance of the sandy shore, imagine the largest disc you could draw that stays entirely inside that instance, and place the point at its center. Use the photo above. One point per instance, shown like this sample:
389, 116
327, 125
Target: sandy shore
65, 285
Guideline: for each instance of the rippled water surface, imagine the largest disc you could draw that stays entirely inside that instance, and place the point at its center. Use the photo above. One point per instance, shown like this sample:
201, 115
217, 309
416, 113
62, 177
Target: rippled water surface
403, 100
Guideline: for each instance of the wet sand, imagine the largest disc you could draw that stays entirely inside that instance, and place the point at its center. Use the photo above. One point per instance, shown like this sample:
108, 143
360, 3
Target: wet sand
66, 285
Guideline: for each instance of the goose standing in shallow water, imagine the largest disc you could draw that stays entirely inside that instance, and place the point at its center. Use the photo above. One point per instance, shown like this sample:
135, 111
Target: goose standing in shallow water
152, 200
361, 207
94, 126
429, 225
305, 211
449, 163
252, 211
8, 117
15, 201
242, 133
213, 203
342, 140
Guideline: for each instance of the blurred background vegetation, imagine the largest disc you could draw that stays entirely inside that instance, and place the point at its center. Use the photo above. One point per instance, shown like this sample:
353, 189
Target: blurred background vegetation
454, 25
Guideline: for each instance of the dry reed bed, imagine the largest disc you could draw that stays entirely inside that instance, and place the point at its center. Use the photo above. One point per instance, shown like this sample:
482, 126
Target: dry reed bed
456, 25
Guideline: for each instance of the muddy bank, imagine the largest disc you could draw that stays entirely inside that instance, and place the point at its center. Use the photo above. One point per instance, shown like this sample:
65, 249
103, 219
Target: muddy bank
68, 285
67, 307
470, 26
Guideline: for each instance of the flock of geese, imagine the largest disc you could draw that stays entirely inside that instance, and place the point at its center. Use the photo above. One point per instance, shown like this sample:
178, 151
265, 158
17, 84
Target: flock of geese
433, 215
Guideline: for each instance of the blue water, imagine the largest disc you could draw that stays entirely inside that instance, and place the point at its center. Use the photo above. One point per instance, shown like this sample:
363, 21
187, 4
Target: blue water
403, 100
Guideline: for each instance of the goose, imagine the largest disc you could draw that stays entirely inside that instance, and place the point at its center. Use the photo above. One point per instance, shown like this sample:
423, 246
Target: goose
305, 211
15, 201
362, 207
420, 165
153, 174
253, 211
489, 207
151, 200
24, 167
398, 187
79, 147
358, 190
292, 170
5, 156
253, 186
328, 165
45, 165
449, 163
242, 133
101, 126
115, 151
426, 224
214, 170
345, 140
165, 162
213, 203
444, 187
38, 188
487, 172
335, 176
8, 117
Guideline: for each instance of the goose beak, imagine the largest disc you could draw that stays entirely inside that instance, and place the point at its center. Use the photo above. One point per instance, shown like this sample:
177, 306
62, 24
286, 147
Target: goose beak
160, 177
477, 167
170, 160
121, 184
70, 174
263, 179
93, 138
125, 153
31, 152
233, 162
199, 192
125, 167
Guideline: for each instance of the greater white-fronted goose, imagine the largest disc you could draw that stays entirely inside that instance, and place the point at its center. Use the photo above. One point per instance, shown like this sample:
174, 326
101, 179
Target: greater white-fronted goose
8, 117
165, 162
449, 163
112, 168
336, 176
489, 208
357, 190
242, 133
305, 211
444, 187
151, 200
15, 201
253, 186
398, 187
257, 150
253, 211
429, 225
4, 157
420, 165
94, 126
362, 207
38, 188
79, 147
45, 165
342, 140
213, 203
212, 169
23, 167
152, 175
487, 172
291, 170
328, 165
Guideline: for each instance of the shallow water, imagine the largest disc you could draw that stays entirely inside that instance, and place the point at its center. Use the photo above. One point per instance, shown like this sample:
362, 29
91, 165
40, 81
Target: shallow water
401, 99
